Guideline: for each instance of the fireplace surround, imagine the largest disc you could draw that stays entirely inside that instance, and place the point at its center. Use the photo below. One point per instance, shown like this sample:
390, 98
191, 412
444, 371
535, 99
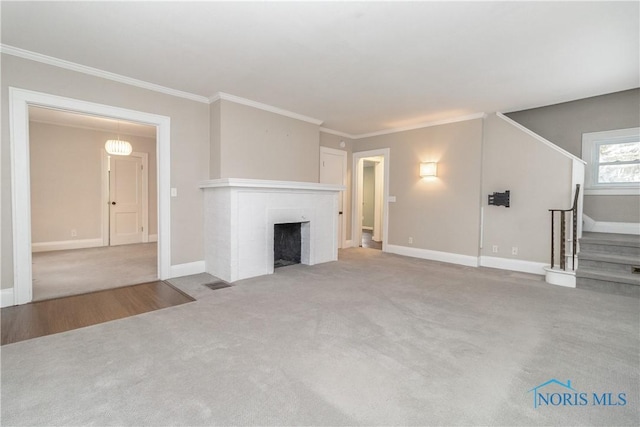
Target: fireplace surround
239, 220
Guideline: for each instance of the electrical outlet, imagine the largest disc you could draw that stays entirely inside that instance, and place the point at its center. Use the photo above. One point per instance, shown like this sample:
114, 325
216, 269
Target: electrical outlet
74, 233
411, 240
494, 249
514, 250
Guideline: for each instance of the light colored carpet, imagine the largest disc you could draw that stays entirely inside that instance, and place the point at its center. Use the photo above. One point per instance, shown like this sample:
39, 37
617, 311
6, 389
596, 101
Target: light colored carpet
373, 339
78, 271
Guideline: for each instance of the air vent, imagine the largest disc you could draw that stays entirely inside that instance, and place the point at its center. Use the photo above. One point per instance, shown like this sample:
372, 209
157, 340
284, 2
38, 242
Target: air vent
217, 285
635, 269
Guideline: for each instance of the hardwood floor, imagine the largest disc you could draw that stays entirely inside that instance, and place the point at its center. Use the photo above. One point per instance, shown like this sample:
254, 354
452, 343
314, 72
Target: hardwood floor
48, 317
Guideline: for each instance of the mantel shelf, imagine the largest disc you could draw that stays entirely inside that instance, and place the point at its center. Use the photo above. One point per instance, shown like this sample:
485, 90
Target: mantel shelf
268, 184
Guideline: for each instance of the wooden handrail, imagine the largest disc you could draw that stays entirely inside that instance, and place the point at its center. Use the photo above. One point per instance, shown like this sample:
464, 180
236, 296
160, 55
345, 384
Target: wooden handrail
563, 239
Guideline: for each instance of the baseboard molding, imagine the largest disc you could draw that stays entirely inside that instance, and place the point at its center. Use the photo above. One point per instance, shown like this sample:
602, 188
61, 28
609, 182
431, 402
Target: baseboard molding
187, 269
66, 244
6, 298
347, 244
589, 224
153, 238
449, 257
513, 265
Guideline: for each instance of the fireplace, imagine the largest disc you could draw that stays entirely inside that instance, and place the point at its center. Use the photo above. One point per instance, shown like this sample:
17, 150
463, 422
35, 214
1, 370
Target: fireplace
287, 244
241, 218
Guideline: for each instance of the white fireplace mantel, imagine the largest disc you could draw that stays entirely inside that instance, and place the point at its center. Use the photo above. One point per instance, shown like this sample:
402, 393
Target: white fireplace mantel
262, 183
240, 215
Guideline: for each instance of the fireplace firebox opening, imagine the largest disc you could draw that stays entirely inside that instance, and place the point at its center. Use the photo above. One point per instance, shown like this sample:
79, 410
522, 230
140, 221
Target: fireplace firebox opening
287, 244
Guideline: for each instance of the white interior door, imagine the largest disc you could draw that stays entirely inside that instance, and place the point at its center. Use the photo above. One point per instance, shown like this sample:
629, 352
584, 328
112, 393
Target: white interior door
125, 200
333, 170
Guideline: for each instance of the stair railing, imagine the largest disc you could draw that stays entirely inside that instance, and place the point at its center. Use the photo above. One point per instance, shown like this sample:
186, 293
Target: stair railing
563, 236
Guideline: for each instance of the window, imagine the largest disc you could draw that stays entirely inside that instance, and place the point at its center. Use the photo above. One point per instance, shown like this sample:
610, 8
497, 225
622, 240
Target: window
613, 162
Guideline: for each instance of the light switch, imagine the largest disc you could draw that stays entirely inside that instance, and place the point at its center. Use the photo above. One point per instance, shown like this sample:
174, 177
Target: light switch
174, 192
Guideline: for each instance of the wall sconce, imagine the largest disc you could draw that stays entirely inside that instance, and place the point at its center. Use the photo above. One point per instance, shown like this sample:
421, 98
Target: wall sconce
428, 170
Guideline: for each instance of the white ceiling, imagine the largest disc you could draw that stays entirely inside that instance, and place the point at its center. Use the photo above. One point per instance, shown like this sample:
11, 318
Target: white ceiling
359, 67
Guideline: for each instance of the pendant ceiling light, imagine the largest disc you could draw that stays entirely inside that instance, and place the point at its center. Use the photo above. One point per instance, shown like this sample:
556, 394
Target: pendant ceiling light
118, 147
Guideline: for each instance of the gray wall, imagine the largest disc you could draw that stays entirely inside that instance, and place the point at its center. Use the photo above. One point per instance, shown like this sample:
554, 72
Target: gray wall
442, 214
66, 182
515, 161
564, 124
189, 146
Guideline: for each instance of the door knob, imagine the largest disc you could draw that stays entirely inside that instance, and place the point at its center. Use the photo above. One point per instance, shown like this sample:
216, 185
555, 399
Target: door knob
113, 203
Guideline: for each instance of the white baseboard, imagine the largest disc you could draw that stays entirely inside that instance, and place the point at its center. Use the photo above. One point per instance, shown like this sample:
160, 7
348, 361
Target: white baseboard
6, 297
513, 265
559, 277
452, 258
153, 238
187, 269
589, 224
66, 244
347, 244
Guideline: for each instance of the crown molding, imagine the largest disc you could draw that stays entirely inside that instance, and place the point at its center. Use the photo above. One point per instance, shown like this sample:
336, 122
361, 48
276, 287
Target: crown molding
337, 133
423, 125
259, 105
61, 63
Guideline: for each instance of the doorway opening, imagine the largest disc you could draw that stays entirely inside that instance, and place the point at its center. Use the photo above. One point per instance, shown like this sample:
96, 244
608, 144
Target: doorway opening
20, 101
85, 202
371, 189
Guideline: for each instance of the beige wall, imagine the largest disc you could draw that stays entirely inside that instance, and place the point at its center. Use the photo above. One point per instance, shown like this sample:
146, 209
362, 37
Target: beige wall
259, 144
564, 124
189, 146
368, 195
532, 171
66, 183
214, 132
442, 214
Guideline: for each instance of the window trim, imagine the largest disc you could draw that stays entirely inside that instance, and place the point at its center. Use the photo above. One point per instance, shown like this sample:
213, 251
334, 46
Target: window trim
590, 145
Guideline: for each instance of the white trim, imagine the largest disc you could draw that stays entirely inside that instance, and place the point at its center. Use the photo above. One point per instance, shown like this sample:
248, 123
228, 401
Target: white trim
67, 65
19, 101
421, 125
610, 227
264, 107
6, 298
264, 183
356, 194
187, 269
468, 260
63, 245
539, 138
153, 238
336, 132
348, 243
105, 187
558, 277
513, 265
364, 227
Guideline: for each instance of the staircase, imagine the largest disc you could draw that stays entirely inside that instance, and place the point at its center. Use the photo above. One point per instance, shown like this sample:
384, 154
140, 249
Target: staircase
609, 263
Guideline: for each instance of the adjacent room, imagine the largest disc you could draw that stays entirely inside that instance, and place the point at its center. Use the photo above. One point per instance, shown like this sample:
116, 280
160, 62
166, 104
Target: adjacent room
320, 213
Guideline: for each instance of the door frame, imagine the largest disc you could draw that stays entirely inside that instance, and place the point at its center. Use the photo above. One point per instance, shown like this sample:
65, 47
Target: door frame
356, 208
106, 196
19, 102
343, 220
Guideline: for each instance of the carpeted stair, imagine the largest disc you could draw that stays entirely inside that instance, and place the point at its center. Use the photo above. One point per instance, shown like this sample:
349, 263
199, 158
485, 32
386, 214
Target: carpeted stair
609, 263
